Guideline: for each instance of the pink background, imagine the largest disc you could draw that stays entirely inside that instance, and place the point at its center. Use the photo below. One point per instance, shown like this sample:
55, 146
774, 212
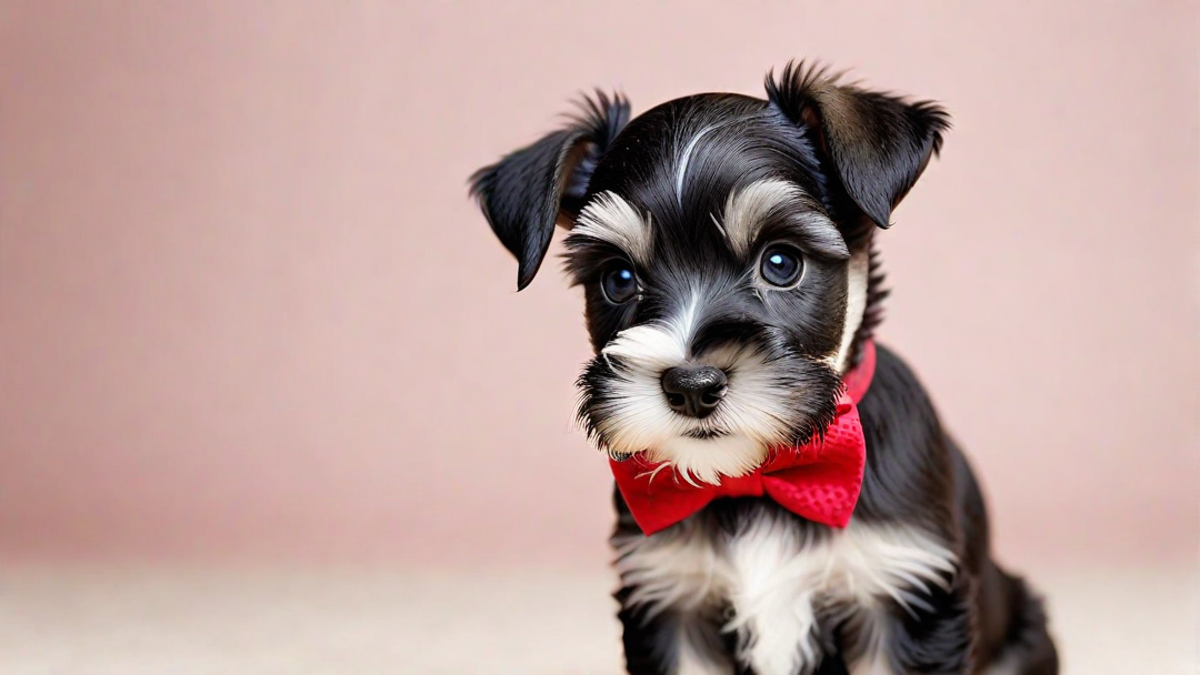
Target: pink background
247, 311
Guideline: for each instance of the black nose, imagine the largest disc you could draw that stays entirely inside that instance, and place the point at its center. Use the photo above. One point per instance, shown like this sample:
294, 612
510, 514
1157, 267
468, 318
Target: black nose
694, 391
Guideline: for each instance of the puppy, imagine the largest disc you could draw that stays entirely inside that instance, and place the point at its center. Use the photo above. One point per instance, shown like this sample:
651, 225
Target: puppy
787, 499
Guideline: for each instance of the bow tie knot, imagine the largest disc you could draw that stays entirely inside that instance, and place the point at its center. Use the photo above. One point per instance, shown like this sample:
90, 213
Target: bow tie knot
749, 485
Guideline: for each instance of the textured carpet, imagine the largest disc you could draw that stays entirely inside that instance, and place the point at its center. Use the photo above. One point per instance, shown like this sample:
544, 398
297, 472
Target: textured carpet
160, 621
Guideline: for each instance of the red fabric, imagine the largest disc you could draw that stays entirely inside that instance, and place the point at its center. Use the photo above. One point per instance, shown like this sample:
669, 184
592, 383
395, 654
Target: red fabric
819, 480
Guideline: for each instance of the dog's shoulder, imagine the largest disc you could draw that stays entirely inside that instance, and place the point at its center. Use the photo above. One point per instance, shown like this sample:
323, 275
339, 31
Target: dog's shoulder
908, 450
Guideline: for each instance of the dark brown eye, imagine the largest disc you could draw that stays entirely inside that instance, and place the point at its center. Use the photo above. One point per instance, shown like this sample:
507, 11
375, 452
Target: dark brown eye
619, 283
781, 266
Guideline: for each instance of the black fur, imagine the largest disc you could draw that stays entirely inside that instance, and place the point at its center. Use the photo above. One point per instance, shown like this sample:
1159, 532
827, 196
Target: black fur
747, 140
854, 154
878, 144
523, 194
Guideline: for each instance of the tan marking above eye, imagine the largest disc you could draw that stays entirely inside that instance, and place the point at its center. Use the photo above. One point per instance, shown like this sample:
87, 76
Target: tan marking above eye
609, 217
747, 210
748, 207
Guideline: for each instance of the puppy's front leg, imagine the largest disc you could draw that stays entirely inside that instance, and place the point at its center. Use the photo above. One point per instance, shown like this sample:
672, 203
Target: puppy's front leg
672, 642
931, 634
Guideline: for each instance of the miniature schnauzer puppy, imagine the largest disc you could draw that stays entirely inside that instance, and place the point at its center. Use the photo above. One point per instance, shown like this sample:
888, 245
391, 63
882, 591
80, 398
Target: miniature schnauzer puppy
724, 245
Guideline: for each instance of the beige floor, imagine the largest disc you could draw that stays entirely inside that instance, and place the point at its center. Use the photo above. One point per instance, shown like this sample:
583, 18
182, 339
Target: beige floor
59, 621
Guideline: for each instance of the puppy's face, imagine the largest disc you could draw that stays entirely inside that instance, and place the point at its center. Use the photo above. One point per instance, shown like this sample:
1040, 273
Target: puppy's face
716, 285
722, 244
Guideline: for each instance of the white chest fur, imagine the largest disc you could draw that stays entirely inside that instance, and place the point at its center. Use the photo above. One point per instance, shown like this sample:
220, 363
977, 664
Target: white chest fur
775, 579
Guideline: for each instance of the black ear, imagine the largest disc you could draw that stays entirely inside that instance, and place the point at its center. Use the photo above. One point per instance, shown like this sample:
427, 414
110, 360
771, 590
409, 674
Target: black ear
877, 143
529, 190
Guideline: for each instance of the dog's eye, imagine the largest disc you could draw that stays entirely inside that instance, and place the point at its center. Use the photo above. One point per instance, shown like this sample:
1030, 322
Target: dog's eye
781, 265
619, 284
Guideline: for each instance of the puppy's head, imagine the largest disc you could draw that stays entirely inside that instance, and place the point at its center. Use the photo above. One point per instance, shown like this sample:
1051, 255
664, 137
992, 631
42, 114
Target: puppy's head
723, 244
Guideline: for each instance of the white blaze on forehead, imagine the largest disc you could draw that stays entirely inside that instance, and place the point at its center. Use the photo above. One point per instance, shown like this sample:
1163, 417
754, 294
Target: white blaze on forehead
608, 217
685, 156
748, 208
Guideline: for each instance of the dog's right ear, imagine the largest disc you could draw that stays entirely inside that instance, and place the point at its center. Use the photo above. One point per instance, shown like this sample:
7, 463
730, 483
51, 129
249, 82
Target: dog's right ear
529, 190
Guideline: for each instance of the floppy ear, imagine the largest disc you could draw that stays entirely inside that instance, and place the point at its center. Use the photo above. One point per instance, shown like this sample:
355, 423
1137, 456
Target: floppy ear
877, 143
526, 192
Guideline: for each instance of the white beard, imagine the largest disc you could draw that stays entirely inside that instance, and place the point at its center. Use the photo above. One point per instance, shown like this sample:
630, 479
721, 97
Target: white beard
753, 415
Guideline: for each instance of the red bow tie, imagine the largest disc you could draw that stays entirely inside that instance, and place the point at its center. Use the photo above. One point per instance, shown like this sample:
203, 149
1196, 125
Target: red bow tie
819, 480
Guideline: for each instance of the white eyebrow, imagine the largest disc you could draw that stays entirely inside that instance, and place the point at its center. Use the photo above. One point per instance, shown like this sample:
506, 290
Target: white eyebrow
610, 218
748, 208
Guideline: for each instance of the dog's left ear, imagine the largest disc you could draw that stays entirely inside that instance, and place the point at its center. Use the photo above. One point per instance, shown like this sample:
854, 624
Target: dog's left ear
529, 190
877, 143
